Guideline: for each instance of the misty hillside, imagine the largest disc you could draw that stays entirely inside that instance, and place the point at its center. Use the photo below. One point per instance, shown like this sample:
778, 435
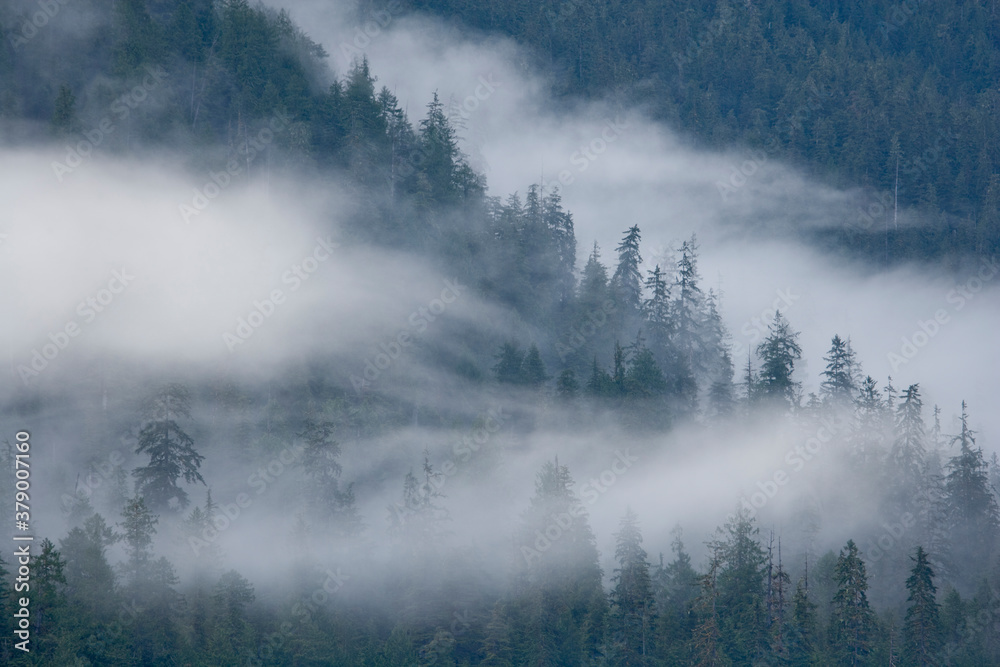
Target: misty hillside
391, 334
883, 94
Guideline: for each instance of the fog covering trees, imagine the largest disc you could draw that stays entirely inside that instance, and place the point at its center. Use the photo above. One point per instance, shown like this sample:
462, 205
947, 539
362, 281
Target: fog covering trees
141, 577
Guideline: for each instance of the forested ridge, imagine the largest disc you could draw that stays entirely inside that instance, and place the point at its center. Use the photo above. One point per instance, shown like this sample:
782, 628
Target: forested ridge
861, 94
140, 576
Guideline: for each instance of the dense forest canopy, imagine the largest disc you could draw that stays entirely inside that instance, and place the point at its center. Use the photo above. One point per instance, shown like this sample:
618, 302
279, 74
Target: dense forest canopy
440, 493
897, 96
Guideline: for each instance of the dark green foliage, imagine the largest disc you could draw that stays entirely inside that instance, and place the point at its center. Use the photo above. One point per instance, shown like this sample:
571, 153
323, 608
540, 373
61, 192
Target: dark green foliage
852, 622
626, 283
171, 451
778, 353
533, 368
922, 632
334, 507
740, 587
632, 618
64, 118
841, 377
866, 94
972, 508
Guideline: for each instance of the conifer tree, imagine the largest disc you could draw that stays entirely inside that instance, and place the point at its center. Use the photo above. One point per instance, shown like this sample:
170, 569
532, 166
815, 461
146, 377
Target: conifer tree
742, 585
852, 622
334, 505
688, 307
632, 605
868, 432
171, 451
90, 578
675, 589
707, 638
558, 574
532, 372
972, 508
921, 634
567, 386
803, 629
626, 283
510, 361
64, 119
840, 379
778, 353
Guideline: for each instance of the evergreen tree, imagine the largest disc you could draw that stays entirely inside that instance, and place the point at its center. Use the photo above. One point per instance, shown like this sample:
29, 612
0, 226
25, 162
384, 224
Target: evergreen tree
803, 630
566, 386
64, 119
90, 579
972, 508
592, 291
600, 382
720, 372
532, 372
742, 584
626, 283
48, 601
656, 312
333, 505
171, 451
707, 639
137, 38
632, 606
643, 378
688, 307
510, 361
868, 432
675, 589
841, 377
778, 353
233, 635
418, 521
921, 635
440, 160
558, 578
778, 583
852, 622
906, 458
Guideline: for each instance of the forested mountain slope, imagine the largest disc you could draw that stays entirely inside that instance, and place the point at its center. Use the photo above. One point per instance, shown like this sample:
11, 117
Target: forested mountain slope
859, 93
